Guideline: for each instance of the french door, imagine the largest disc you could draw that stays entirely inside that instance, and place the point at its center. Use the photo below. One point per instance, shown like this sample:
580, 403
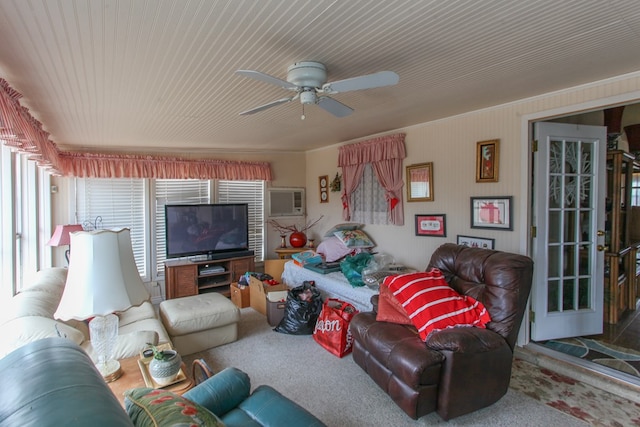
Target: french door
568, 216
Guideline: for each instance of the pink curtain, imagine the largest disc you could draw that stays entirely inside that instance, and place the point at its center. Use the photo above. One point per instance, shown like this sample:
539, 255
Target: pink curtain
18, 129
351, 176
385, 154
389, 173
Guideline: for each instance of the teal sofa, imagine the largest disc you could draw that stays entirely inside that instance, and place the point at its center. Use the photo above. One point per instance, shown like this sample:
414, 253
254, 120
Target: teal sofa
53, 382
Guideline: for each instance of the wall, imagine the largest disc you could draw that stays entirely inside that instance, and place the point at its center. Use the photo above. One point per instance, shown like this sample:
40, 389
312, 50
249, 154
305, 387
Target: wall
451, 145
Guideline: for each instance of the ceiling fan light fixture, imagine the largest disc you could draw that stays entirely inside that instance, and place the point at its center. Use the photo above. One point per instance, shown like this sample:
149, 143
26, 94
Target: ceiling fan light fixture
308, 96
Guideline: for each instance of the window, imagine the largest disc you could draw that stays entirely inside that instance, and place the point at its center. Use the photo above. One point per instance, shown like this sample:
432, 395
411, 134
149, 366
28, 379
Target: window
635, 190
139, 205
365, 165
115, 203
25, 225
251, 192
368, 200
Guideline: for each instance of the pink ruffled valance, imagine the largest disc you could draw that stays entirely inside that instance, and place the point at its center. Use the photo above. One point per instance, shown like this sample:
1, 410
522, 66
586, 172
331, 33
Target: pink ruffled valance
131, 166
20, 130
372, 150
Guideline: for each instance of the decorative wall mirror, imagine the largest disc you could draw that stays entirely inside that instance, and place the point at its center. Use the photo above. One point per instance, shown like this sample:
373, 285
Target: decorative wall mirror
420, 182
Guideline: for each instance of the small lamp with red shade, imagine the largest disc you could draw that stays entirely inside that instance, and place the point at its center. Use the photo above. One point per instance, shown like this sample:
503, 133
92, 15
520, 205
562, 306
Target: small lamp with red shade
61, 237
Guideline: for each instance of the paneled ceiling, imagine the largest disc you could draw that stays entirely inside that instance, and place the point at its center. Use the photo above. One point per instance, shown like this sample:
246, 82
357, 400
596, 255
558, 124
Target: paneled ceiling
158, 76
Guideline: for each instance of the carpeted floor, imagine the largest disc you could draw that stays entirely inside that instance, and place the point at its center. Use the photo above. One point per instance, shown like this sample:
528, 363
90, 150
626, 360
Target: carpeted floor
621, 359
339, 393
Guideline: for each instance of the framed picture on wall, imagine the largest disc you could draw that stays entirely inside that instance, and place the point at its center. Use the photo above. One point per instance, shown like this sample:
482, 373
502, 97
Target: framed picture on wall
492, 212
476, 242
487, 157
420, 182
431, 225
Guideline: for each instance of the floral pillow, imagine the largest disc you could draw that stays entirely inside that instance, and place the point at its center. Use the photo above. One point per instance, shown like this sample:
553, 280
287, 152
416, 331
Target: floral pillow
354, 238
342, 227
149, 407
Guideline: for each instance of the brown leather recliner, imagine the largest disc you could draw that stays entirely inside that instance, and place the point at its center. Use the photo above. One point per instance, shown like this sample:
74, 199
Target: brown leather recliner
457, 370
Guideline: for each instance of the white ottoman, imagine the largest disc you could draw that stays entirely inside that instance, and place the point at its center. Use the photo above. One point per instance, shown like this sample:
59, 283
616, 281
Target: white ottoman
200, 322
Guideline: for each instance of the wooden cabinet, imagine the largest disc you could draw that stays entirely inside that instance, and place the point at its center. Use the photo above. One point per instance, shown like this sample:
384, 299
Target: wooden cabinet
620, 259
185, 278
285, 253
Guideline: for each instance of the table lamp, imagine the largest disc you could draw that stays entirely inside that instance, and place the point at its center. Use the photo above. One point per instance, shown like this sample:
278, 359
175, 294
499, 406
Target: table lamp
102, 279
61, 237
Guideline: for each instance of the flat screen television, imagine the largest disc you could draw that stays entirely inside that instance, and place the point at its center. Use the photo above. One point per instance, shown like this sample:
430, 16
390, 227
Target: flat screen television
214, 230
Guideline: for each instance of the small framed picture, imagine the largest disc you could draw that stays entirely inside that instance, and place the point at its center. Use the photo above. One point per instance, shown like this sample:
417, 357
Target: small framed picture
420, 182
487, 157
431, 225
492, 212
323, 183
476, 242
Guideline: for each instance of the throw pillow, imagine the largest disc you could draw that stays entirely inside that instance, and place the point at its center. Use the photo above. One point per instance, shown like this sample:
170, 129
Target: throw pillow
343, 226
354, 238
149, 407
390, 309
332, 249
433, 305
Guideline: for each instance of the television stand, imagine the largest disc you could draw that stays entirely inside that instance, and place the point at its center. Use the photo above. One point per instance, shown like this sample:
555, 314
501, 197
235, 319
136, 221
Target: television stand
185, 277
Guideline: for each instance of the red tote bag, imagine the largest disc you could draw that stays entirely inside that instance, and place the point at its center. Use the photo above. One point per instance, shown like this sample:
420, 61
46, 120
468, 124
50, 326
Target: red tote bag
332, 327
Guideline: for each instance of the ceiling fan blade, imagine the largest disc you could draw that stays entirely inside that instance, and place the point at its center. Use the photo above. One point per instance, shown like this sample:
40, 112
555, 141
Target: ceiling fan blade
257, 75
269, 105
382, 78
334, 107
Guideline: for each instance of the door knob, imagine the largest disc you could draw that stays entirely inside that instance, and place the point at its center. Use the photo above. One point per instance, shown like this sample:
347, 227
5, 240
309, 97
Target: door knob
602, 248
600, 233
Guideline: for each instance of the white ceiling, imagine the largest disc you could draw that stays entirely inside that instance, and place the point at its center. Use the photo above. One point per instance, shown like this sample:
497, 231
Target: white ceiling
158, 75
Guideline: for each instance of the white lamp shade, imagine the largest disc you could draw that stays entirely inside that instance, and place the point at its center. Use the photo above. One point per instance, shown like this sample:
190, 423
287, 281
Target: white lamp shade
102, 278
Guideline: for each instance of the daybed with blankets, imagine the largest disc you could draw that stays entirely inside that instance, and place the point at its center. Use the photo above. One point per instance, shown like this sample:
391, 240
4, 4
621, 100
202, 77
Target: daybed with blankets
331, 285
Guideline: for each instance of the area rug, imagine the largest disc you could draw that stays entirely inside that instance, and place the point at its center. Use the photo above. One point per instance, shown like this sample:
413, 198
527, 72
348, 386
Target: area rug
592, 405
614, 357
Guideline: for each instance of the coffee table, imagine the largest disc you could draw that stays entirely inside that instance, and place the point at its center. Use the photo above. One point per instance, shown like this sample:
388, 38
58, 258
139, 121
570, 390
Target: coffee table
132, 378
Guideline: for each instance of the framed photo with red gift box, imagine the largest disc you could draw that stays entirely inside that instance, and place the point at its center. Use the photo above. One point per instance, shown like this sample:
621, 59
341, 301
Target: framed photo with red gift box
431, 225
495, 213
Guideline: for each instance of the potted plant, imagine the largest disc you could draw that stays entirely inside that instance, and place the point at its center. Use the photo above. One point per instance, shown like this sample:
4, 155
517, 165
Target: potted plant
164, 366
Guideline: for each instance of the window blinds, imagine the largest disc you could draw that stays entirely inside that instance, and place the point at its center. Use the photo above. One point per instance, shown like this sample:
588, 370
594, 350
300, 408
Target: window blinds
115, 203
251, 192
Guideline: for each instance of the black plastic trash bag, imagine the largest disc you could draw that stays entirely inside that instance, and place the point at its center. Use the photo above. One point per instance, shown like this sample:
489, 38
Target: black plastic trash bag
304, 304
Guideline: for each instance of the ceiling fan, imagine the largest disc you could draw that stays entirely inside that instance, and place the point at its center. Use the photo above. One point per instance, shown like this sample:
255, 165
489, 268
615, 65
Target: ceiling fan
308, 79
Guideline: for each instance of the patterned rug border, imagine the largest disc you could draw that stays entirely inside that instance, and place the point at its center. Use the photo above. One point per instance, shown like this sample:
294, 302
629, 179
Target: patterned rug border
587, 403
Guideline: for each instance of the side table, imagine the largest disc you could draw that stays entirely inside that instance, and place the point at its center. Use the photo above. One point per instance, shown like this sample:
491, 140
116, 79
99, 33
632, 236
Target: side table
132, 378
284, 253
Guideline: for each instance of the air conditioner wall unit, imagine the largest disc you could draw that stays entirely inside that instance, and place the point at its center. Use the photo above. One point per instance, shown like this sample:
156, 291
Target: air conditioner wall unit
285, 201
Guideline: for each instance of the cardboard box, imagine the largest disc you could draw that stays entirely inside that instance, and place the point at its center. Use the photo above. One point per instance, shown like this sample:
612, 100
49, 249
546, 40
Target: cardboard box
240, 296
276, 302
258, 293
